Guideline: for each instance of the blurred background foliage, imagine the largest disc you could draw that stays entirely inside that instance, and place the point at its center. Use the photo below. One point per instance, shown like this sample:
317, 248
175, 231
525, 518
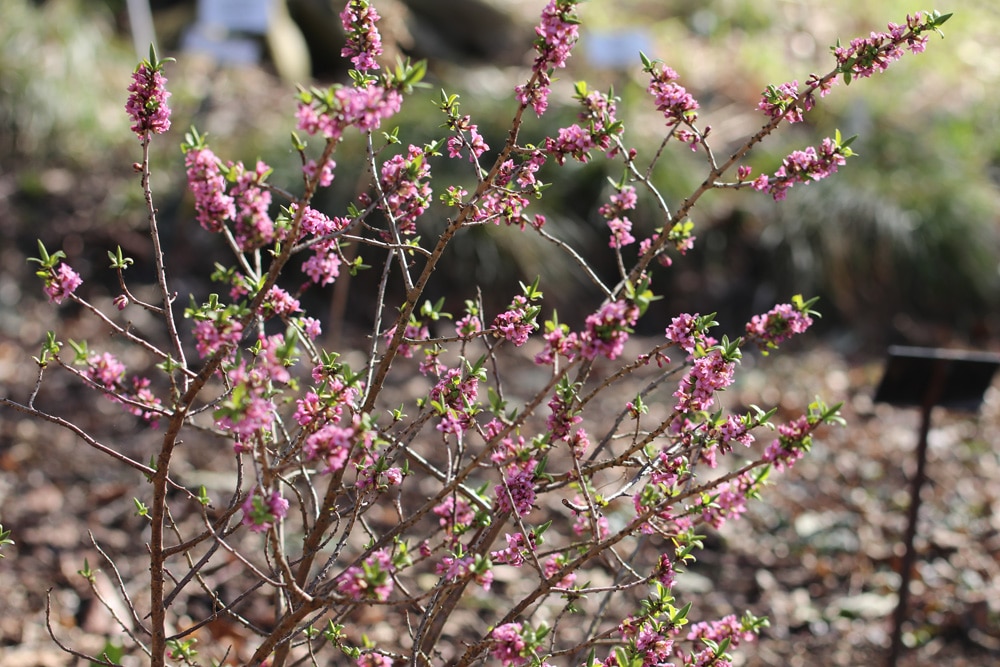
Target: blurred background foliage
902, 245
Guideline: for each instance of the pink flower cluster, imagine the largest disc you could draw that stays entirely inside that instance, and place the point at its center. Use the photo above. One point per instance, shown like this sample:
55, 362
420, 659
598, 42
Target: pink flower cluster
684, 332
559, 342
619, 224
518, 546
415, 331
506, 200
333, 444
777, 325
323, 266
783, 100
516, 494
261, 513
729, 501
728, 627
508, 646
866, 56
109, 373
564, 416
456, 392
517, 322
372, 580
456, 568
802, 166
249, 411
651, 641
364, 43
709, 373
61, 282
599, 124
676, 104
607, 330
790, 445
475, 142
557, 33
208, 185
253, 226
407, 194
455, 516
147, 101
330, 114
213, 334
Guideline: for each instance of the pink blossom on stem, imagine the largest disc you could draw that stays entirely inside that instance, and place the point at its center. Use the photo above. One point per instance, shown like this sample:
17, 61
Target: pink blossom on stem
341, 107
364, 43
208, 185
373, 659
253, 226
557, 33
372, 580
147, 101
866, 56
261, 513
61, 282
709, 373
105, 370
672, 100
324, 176
802, 166
521, 487
508, 646
607, 330
475, 142
783, 101
618, 222
455, 515
777, 325
517, 323
212, 335
332, 444
407, 194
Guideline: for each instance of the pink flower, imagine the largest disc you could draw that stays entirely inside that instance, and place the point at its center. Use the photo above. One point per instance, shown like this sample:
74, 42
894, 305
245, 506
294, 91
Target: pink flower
147, 101
62, 282
782, 101
508, 645
372, 659
517, 323
557, 34
105, 370
363, 108
261, 513
802, 166
455, 515
608, 329
521, 486
675, 103
370, 581
777, 325
709, 374
253, 226
208, 185
364, 43
212, 335
407, 194
331, 443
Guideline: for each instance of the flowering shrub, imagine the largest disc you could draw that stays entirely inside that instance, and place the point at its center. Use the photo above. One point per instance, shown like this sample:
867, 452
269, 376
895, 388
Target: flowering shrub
482, 520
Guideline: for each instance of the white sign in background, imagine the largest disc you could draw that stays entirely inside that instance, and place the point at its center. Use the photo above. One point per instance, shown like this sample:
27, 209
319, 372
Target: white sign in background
252, 16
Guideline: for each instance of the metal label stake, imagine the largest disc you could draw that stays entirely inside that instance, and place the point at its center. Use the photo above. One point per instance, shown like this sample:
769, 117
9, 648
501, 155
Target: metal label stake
927, 378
